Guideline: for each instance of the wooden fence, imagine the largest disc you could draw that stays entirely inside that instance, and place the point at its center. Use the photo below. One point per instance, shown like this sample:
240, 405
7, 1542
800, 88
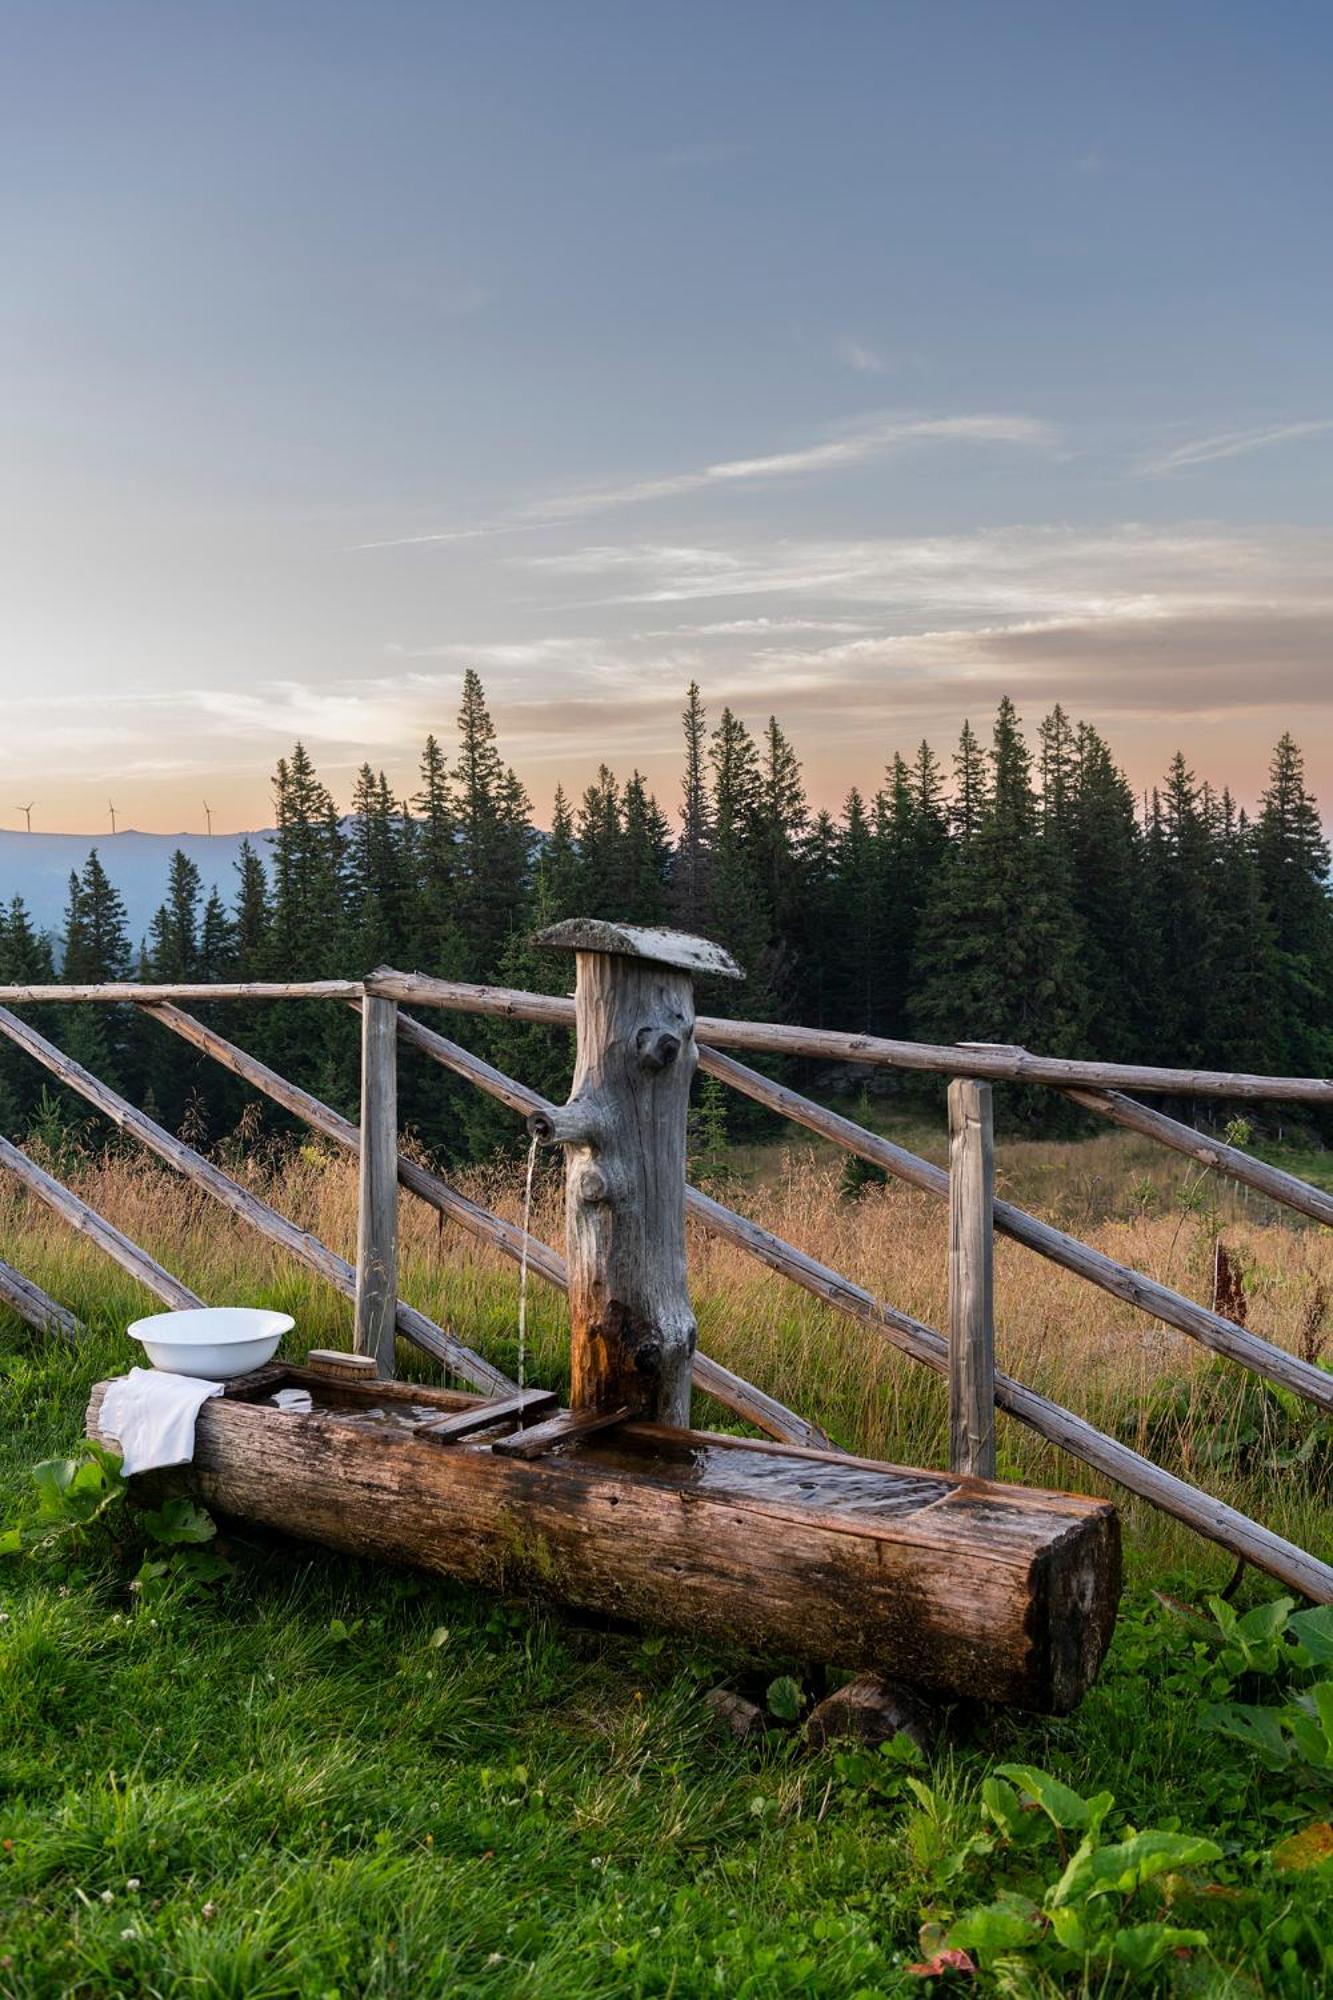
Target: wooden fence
965, 1355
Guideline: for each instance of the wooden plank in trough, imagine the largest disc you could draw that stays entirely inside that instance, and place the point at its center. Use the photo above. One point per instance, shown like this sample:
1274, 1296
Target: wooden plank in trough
959, 1585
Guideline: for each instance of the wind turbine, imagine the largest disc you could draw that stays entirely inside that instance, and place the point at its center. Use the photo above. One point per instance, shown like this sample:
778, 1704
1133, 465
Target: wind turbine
27, 813
208, 815
112, 810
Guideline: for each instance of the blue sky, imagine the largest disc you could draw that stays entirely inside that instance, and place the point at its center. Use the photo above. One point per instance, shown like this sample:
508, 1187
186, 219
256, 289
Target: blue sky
860, 361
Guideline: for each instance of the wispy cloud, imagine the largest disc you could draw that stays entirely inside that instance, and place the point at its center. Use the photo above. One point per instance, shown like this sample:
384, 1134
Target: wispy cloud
1231, 444
858, 354
873, 437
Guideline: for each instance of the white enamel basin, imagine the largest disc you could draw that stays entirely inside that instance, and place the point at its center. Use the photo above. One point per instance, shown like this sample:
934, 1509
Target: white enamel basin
214, 1342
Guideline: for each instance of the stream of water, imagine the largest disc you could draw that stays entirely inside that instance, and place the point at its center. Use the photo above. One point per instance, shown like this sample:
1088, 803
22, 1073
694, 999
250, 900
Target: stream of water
523, 1272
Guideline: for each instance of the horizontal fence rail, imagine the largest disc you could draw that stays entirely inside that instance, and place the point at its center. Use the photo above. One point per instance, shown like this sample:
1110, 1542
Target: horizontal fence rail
967, 1361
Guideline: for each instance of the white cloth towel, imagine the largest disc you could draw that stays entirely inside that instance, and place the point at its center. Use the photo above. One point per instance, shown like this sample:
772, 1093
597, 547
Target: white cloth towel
152, 1416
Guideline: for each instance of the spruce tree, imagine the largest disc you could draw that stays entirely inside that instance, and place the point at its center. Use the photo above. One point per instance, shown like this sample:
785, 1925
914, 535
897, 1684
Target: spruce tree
1292, 856
557, 886
173, 937
25, 960
252, 916
690, 868
1000, 955
495, 837
646, 860
601, 848
436, 942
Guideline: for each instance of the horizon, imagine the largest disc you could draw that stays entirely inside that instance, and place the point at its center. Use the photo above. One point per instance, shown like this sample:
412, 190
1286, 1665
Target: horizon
861, 375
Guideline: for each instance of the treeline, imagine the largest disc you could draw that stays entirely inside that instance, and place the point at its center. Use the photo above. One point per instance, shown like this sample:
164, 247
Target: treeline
1024, 894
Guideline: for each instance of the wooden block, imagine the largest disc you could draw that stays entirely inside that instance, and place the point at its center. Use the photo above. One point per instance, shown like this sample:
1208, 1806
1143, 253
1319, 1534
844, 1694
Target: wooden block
332, 1361
734, 1713
449, 1429
870, 1710
562, 1429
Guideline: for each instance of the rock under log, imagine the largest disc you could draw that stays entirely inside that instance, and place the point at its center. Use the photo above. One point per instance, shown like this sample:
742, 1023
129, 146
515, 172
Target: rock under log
958, 1585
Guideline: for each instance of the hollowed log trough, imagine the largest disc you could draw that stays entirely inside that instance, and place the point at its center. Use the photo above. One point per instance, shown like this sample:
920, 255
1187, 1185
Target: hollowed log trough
963, 1586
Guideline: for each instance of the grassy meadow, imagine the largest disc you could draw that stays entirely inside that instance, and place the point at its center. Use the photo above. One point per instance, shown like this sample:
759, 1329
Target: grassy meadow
301, 1775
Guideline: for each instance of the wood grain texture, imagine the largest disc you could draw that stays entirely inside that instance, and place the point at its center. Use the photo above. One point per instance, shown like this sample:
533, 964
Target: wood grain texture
765, 1412
632, 1332
375, 1313
997, 1064
107, 1238
971, 1279
1209, 1517
962, 1586
1237, 1165
1223, 1336
32, 1305
247, 1207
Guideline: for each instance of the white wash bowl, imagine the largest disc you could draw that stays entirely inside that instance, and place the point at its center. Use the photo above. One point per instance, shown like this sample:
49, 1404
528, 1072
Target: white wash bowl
213, 1342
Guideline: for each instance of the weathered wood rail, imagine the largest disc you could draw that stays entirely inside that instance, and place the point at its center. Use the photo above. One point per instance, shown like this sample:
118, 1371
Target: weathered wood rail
965, 1357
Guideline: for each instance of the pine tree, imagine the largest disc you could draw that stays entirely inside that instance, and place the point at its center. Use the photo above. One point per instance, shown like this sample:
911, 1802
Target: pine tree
308, 929
690, 870
379, 871
970, 786
252, 916
217, 939
436, 941
494, 837
96, 950
173, 938
1100, 834
601, 848
646, 861
1292, 856
738, 915
25, 960
999, 957
1240, 1028
557, 888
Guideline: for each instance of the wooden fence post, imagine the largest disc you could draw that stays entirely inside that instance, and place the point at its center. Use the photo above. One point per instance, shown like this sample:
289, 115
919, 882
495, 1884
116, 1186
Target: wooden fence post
377, 1215
632, 1331
971, 1279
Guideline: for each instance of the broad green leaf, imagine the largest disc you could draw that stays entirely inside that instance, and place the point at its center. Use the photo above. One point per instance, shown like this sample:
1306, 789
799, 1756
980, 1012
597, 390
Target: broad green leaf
1124, 1867
1007, 1925
785, 1698
1068, 1927
179, 1521
1259, 1729
1143, 1946
52, 1479
11, 1541
1313, 1630
1062, 1806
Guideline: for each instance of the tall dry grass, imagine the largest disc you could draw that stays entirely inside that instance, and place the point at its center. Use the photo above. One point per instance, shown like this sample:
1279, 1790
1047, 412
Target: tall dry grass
1152, 1387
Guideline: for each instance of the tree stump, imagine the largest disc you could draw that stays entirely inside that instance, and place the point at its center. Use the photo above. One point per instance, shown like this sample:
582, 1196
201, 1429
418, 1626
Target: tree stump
632, 1330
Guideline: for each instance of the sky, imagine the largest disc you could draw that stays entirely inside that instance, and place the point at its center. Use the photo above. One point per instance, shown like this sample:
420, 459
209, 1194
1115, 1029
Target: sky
864, 362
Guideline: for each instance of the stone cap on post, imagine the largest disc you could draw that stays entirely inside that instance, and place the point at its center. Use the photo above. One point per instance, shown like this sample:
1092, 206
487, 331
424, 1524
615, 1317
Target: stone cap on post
662, 947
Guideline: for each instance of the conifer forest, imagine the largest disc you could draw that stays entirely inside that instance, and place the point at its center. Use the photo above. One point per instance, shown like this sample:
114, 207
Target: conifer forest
1016, 890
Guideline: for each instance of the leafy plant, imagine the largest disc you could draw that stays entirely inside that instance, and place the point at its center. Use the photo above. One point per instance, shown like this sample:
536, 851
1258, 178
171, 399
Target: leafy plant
1079, 1920
75, 1493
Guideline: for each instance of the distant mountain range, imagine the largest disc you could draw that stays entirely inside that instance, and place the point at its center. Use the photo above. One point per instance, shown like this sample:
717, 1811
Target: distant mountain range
37, 867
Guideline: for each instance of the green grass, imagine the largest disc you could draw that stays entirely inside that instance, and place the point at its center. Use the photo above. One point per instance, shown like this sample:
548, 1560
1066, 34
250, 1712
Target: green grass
320, 1777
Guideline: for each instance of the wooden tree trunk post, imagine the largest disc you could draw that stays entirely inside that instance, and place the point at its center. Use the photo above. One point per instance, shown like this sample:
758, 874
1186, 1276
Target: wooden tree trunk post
971, 1279
632, 1332
377, 1217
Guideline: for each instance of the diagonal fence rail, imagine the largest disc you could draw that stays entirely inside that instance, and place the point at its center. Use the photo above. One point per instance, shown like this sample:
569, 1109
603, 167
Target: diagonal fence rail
965, 1357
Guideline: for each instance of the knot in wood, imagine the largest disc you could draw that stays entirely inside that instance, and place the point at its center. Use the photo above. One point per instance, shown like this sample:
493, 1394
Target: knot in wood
593, 1185
658, 1048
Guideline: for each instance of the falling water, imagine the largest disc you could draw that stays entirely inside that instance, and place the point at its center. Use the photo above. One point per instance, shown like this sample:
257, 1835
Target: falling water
523, 1271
